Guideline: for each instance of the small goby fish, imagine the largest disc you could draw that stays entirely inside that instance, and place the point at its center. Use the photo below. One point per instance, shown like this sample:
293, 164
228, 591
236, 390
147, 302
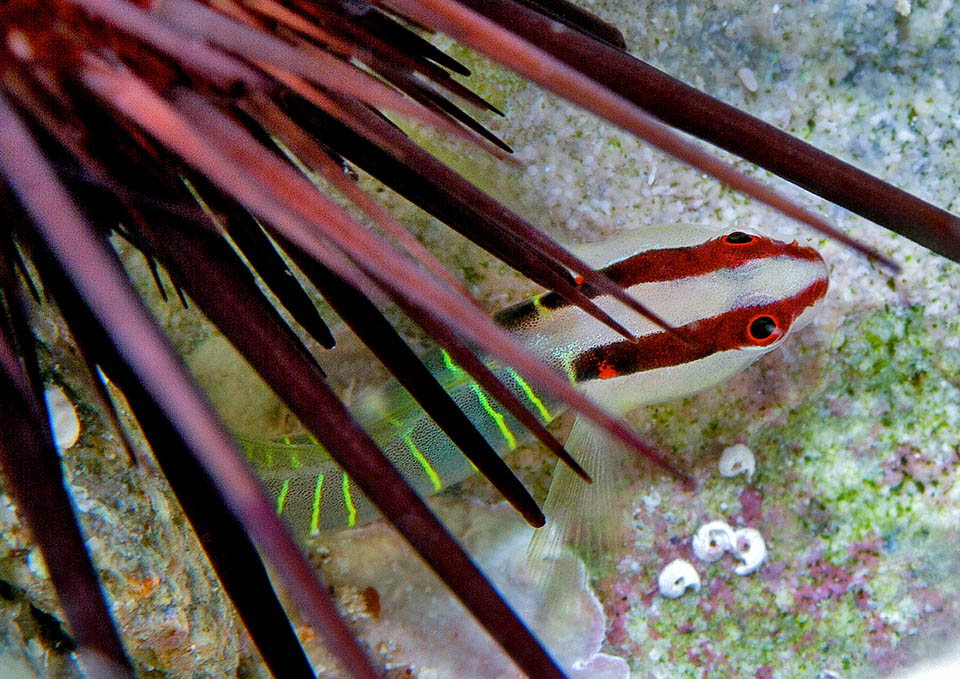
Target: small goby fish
734, 296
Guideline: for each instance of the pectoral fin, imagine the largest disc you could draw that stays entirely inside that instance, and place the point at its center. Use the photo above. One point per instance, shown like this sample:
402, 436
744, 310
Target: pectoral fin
580, 514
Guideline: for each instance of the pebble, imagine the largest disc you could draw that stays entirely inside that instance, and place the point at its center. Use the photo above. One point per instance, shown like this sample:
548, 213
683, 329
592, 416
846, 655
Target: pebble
748, 79
63, 418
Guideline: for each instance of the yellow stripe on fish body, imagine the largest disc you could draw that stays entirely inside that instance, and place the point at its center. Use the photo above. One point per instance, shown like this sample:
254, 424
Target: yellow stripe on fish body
735, 295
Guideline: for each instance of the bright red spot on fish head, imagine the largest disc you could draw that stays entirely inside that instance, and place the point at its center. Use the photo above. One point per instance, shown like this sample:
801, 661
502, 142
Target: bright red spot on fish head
605, 370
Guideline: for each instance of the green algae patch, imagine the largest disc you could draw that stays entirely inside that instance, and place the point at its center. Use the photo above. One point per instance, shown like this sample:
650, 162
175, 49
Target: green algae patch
855, 495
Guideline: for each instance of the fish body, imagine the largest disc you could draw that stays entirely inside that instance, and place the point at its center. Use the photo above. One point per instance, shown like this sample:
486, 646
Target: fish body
732, 297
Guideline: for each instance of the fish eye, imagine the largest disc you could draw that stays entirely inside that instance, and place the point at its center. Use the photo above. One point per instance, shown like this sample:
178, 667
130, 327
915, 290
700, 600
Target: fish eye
763, 330
738, 238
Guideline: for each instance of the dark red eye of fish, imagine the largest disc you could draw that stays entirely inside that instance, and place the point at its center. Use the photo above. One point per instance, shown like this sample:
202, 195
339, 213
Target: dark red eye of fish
763, 330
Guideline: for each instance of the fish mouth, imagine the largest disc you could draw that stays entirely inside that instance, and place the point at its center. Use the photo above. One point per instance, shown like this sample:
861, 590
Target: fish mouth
822, 284
819, 278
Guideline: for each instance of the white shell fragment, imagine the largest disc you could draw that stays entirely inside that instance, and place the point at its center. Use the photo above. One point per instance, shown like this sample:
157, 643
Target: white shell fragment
748, 79
712, 540
737, 459
750, 548
676, 577
63, 418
